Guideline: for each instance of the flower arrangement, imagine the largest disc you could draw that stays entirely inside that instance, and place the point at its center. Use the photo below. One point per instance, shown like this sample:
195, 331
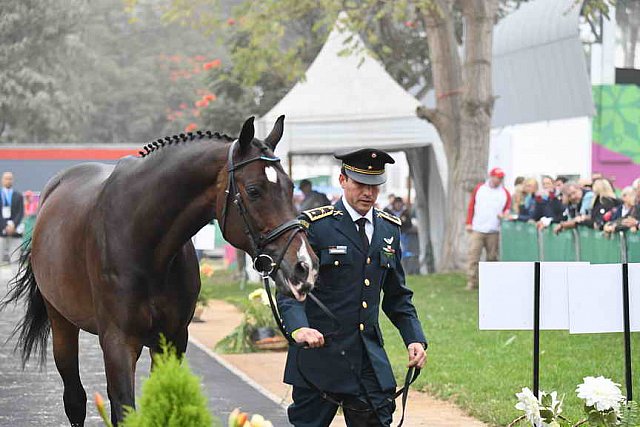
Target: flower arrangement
604, 406
257, 326
241, 419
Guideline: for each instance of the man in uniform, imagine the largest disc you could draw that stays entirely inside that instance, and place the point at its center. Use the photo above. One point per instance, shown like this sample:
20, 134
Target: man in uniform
359, 251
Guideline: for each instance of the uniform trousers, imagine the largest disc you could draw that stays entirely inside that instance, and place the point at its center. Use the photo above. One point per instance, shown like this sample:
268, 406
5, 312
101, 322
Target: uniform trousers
310, 409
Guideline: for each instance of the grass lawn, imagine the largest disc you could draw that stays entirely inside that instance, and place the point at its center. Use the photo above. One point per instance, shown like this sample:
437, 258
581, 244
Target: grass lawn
482, 370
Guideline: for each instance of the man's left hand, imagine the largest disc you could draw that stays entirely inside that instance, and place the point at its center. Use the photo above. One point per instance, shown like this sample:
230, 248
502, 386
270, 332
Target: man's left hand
417, 355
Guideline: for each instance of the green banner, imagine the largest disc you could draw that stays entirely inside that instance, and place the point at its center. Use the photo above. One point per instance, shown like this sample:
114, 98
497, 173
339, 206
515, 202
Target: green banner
633, 247
597, 248
518, 242
558, 247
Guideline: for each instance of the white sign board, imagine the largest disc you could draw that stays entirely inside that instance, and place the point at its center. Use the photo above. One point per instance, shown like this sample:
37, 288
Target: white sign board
507, 295
595, 298
205, 239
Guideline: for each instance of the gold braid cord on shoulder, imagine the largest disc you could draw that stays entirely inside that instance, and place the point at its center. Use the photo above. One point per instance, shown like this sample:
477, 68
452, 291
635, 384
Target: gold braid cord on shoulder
391, 218
317, 213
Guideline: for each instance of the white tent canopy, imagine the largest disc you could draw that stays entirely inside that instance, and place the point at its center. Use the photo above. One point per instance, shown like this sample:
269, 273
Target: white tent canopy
350, 101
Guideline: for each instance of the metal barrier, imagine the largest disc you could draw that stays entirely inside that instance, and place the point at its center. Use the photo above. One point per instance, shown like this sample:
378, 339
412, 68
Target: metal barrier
521, 241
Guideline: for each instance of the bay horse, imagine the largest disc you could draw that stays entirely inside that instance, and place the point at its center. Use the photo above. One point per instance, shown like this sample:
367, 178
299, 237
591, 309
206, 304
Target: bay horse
111, 250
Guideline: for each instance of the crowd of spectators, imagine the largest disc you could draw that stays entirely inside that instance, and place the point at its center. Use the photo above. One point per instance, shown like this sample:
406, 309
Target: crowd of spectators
563, 204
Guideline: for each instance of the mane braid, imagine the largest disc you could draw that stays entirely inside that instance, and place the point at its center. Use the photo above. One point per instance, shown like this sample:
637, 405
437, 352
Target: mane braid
160, 143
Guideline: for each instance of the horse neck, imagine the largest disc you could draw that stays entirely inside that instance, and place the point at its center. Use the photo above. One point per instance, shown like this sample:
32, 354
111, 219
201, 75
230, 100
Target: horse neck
177, 190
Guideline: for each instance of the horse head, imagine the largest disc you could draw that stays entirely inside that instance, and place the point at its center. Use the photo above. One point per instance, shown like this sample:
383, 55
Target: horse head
259, 203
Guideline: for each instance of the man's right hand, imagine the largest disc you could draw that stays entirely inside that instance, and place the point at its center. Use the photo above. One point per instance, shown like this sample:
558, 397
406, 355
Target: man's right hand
469, 228
312, 337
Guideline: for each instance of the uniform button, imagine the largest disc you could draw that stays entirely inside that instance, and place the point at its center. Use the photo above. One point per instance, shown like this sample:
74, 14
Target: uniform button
367, 282
336, 262
368, 260
364, 304
362, 326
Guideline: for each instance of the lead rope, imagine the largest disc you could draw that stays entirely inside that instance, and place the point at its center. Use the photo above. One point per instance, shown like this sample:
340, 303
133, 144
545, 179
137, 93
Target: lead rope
412, 373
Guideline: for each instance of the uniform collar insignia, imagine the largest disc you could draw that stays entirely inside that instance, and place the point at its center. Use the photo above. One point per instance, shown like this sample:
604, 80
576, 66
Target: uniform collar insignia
389, 240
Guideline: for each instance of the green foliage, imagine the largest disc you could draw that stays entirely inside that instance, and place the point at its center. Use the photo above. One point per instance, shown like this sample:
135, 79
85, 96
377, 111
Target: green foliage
171, 396
37, 41
630, 415
77, 71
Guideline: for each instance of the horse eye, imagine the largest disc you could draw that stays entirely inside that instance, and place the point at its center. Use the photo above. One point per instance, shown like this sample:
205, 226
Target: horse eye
253, 192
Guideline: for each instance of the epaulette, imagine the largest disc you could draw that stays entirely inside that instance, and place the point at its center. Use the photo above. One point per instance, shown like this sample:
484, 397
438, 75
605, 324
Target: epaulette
321, 212
391, 218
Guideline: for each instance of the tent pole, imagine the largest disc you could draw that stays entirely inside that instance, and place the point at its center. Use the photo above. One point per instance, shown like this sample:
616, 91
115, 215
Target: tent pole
290, 161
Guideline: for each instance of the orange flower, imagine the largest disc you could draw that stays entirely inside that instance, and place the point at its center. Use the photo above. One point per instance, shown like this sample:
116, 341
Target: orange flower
191, 127
231, 21
202, 103
209, 97
212, 64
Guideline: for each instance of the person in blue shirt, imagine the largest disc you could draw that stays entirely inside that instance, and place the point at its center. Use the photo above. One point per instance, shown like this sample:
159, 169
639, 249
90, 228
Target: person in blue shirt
11, 219
360, 271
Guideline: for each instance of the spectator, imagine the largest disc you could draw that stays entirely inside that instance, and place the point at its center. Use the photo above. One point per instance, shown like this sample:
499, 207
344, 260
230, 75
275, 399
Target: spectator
11, 221
489, 202
604, 201
559, 185
312, 198
547, 206
399, 209
518, 199
527, 207
636, 187
578, 206
626, 216
519, 180
390, 199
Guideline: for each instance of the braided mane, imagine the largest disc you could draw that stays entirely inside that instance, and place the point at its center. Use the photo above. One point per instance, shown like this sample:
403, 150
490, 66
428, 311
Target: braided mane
177, 139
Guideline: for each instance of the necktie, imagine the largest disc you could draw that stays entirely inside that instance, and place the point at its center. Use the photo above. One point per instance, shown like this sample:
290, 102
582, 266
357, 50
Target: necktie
365, 240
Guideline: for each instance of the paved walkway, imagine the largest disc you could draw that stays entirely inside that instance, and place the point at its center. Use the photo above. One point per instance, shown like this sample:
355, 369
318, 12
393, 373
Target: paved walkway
33, 397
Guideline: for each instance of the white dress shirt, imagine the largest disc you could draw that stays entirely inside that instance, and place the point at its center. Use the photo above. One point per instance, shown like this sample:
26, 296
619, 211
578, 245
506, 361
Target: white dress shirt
368, 226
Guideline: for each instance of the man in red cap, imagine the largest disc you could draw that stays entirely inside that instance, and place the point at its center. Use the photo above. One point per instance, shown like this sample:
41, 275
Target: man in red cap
489, 202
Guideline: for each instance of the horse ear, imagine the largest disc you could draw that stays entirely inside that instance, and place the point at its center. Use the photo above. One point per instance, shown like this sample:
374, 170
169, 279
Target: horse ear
246, 134
276, 133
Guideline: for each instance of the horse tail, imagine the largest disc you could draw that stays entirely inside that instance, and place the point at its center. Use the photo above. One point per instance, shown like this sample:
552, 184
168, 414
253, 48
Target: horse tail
34, 328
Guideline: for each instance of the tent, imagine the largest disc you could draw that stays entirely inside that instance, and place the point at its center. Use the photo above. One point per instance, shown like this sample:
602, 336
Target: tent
350, 101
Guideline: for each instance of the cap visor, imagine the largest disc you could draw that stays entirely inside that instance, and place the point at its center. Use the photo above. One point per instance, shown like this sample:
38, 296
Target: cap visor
367, 179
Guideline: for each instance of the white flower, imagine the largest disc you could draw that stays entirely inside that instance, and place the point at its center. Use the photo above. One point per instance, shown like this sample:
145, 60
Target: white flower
528, 403
601, 392
259, 295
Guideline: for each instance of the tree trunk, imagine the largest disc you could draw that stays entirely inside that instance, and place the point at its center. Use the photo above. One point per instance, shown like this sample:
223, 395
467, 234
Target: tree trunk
464, 102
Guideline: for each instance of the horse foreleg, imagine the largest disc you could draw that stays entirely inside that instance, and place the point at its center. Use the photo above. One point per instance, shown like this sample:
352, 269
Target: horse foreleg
179, 341
120, 356
65, 353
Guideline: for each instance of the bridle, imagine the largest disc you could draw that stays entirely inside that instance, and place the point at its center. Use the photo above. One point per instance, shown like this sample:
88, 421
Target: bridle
267, 267
262, 262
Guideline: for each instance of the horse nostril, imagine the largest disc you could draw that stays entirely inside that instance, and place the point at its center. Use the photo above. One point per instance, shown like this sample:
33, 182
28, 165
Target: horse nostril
301, 269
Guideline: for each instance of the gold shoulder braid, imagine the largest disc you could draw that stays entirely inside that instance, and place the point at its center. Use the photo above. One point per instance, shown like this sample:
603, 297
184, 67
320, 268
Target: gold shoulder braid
317, 213
391, 218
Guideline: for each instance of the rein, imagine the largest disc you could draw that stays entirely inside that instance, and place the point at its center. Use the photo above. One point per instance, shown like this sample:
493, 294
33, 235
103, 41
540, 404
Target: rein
268, 267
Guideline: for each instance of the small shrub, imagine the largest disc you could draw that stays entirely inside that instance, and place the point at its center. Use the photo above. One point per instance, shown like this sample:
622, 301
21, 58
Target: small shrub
171, 396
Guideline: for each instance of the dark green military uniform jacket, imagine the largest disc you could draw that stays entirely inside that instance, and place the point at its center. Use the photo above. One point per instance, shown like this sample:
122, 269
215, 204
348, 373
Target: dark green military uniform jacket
353, 285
